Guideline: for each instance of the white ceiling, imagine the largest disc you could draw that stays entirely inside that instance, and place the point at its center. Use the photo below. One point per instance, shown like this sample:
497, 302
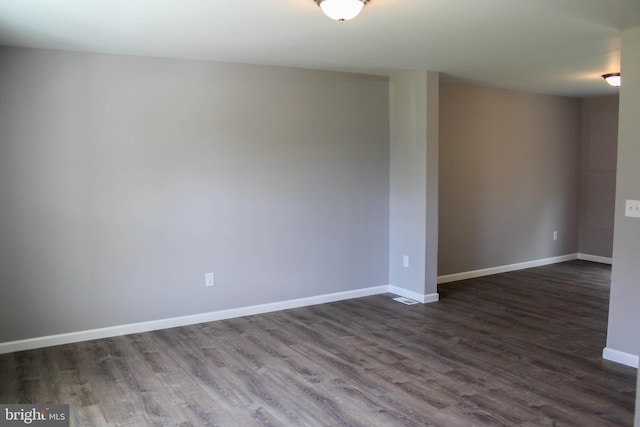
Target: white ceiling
545, 46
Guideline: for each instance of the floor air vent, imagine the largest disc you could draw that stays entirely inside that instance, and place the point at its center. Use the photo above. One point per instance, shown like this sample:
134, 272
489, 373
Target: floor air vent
405, 301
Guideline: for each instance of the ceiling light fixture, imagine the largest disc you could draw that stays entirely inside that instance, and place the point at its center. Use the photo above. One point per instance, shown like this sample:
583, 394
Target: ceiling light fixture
613, 79
341, 10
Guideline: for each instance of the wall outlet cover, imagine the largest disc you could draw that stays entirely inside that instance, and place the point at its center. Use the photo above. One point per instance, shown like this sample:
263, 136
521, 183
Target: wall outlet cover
209, 280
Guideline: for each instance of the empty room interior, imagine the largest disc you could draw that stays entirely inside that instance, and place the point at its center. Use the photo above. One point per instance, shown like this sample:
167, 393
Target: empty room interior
414, 212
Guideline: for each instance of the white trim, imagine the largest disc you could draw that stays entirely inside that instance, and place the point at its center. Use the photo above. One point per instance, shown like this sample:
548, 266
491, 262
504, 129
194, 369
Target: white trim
620, 357
596, 258
423, 298
133, 328
505, 268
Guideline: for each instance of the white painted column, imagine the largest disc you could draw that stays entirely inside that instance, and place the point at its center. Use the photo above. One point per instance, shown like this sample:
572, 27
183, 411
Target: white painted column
413, 216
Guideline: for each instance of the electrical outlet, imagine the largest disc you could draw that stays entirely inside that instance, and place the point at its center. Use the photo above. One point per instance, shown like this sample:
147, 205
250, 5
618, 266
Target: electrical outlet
555, 235
209, 280
405, 261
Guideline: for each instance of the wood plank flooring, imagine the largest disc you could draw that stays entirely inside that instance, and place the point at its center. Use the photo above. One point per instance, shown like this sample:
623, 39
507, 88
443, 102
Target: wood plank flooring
516, 349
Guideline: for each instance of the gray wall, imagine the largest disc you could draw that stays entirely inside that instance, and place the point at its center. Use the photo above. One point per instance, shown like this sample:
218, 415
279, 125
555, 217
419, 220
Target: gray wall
624, 312
598, 160
413, 199
508, 177
124, 179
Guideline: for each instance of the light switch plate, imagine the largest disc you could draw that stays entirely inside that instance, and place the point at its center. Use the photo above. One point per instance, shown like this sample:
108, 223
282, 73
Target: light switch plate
632, 208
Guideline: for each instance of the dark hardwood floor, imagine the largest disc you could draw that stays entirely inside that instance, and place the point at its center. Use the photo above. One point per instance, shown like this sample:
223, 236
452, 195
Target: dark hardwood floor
516, 349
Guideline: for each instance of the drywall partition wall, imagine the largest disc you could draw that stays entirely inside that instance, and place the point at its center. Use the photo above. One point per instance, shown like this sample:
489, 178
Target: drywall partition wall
598, 158
123, 180
637, 418
508, 177
413, 200
624, 315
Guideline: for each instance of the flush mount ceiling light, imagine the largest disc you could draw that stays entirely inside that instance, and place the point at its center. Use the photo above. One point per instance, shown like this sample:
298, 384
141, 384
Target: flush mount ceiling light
341, 10
613, 79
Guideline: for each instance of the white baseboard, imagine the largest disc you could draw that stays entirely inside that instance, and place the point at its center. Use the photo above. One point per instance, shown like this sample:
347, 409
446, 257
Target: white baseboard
620, 357
423, 298
505, 268
595, 258
133, 328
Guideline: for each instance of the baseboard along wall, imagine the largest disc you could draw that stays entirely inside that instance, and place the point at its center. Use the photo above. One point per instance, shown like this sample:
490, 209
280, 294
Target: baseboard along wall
423, 298
79, 336
596, 258
621, 357
521, 266
154, 325
504, 268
